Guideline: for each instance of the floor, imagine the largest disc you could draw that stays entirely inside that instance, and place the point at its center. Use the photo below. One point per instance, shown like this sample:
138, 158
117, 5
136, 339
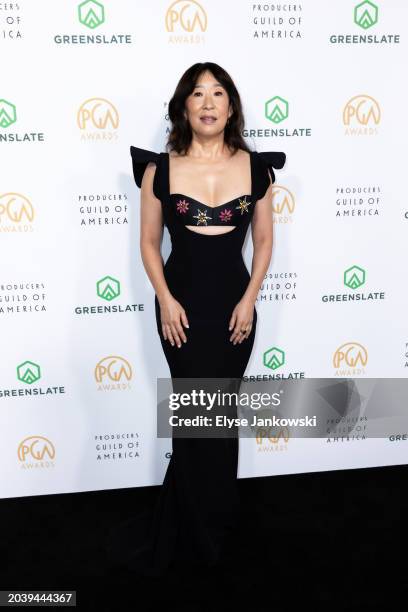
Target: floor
332, 540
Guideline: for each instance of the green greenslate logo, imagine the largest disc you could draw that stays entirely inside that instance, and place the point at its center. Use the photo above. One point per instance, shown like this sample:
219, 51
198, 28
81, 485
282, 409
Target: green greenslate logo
354, 277
277, 109
274, 358
91, 13
7, 113
108, 288
366, 14
28, 372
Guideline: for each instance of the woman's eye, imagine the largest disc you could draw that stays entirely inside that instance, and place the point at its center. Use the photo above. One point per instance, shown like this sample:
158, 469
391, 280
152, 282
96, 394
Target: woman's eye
199, 93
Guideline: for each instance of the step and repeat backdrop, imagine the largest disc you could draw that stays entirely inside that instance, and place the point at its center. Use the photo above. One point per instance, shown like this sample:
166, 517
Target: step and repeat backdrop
80, 355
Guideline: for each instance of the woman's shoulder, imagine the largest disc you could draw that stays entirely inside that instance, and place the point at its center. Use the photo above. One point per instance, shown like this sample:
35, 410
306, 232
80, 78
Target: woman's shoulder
274, 159
141, 158
140, 155
264, 175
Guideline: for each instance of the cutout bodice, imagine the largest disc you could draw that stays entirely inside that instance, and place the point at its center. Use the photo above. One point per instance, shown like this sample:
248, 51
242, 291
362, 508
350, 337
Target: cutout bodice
181, 209
193, 212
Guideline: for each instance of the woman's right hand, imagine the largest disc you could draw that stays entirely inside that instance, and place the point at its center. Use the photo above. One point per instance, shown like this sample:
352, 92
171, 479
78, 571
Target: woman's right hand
172, 316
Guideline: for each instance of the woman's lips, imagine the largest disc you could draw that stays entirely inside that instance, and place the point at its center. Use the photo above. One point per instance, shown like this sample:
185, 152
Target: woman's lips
208, 119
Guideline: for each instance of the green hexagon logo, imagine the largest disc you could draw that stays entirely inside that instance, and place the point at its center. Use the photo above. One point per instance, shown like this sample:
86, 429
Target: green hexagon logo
277, 109
8, 113
366, 14
91, 13
354, 277
274, 358
28, 372
108, 288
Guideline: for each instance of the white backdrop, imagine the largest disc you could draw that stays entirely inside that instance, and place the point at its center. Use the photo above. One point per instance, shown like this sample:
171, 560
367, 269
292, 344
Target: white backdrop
80, 352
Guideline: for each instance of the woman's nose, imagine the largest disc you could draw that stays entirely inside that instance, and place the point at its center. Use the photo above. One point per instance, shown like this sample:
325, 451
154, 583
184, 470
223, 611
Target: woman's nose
208, 103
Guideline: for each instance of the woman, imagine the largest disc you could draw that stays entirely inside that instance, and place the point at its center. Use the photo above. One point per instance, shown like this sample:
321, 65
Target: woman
205, 191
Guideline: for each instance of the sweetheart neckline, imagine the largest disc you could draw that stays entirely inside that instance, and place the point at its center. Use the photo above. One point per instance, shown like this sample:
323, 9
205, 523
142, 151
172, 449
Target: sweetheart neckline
247, 195
251, 171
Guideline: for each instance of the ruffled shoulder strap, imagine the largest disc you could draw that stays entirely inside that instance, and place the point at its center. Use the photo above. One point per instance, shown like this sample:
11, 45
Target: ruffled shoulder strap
267, 160
140, 159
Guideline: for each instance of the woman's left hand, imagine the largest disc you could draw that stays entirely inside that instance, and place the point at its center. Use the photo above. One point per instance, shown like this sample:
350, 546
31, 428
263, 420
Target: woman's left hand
241, 320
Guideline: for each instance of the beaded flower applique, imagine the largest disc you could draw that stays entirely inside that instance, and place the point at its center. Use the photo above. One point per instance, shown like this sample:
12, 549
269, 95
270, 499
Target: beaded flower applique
201, 217
226, 215
243, 205
182, 206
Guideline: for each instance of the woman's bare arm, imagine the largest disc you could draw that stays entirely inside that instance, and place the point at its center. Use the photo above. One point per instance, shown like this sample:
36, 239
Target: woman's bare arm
262, 237
151, 232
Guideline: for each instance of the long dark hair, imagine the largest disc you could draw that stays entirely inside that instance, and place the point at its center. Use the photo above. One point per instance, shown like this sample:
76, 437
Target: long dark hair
180, 135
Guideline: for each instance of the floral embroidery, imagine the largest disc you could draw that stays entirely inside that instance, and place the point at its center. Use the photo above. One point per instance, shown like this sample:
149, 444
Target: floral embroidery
226, 215
201, 217
182, 206
243, 205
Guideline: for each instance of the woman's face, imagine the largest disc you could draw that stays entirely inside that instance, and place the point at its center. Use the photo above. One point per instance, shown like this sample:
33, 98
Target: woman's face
207, 108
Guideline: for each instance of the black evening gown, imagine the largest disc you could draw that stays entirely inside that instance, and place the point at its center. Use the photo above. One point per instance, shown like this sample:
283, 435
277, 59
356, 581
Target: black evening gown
196, 514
